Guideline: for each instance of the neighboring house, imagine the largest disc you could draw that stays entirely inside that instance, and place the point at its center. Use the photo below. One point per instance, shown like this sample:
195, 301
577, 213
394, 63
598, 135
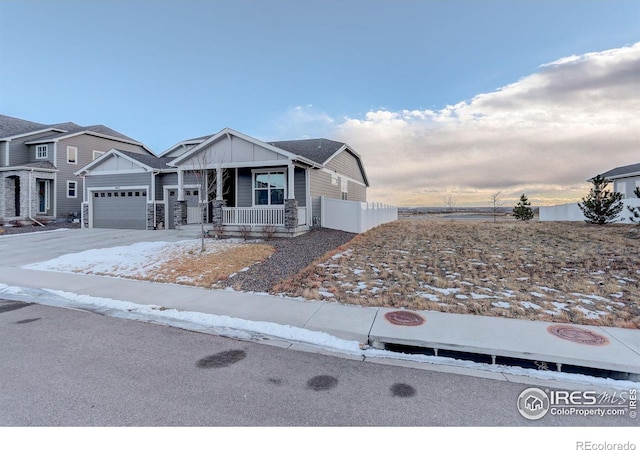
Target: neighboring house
37, 165
257, 184
625, 179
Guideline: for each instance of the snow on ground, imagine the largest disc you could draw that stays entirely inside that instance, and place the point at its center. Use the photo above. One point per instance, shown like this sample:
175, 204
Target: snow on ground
257, 331
142, 258
131, 261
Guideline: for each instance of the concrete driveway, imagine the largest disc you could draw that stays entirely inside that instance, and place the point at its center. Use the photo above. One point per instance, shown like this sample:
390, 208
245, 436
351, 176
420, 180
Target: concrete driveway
27, 248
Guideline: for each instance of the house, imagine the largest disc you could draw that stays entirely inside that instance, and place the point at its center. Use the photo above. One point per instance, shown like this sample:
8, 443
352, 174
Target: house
625, 179
37, 165
228, 179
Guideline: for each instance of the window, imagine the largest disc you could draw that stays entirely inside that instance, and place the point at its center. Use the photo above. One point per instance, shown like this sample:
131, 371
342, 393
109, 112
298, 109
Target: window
42, 152
344, 188
72, 189
97, 154
72, 155
621, 187
268, 188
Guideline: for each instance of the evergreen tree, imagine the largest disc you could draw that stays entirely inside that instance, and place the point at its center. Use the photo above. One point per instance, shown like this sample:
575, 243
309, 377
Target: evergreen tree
635, 218
601, 206
523, 209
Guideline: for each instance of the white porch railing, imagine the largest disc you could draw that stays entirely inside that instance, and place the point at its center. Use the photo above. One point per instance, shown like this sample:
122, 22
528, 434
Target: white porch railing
253, 216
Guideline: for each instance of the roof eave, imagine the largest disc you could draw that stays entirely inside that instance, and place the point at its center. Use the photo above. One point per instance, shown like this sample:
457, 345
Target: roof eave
17, 136
91, 133
39, 169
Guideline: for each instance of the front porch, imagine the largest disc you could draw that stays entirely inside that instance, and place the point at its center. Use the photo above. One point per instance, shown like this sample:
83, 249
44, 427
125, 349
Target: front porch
254, 201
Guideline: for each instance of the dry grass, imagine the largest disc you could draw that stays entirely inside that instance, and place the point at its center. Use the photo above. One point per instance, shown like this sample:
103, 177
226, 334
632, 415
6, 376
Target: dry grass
564, 272
196, 268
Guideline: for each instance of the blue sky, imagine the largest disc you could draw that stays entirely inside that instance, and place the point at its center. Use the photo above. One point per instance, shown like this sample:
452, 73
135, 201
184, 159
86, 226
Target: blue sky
163, 71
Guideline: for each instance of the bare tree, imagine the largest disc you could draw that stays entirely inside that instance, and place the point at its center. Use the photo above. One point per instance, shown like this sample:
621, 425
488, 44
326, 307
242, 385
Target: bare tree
496, 203
205, 171
449, 201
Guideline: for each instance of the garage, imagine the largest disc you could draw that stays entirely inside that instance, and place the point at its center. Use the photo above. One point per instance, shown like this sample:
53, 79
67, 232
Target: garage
121, 208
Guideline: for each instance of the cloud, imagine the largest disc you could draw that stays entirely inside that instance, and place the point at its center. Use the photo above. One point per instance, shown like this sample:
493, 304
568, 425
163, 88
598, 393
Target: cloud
543, 135
296, 122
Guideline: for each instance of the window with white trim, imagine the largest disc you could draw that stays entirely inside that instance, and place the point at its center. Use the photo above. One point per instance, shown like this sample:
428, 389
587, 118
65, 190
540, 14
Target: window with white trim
72, 155
42, 151
97, 154
268, 188
344, 188
72, 189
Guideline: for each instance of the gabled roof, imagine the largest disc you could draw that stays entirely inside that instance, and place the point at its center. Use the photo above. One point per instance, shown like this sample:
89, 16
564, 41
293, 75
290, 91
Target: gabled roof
318, 150
98, 130
147, 162
12, 127
226, 132
186, 142
152, 161
623, 171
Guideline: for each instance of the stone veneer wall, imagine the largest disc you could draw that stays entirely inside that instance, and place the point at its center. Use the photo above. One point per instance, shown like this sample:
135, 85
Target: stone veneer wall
180, 213
85, 215
216, 213
7, 202
291, 213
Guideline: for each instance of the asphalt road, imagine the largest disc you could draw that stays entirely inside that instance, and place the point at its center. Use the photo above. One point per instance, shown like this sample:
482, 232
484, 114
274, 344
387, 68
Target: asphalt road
64, 367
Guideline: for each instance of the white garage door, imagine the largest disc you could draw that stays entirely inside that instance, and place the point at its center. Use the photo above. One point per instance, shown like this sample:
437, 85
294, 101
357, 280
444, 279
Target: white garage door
120, 209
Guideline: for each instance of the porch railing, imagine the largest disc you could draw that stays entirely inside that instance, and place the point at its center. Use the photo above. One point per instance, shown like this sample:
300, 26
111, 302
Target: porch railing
253, 216
259, 216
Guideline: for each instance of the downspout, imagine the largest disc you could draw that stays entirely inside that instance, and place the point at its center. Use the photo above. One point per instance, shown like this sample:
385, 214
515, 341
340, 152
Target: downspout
30, 196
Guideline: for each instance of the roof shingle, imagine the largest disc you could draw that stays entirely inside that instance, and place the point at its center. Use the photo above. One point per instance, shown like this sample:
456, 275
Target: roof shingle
317, 150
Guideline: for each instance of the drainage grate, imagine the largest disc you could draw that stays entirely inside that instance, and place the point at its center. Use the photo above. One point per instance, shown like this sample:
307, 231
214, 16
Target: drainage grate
405, 318
579, 335
509, 361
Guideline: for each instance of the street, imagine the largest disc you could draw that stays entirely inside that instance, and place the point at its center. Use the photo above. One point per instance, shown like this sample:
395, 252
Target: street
65, 367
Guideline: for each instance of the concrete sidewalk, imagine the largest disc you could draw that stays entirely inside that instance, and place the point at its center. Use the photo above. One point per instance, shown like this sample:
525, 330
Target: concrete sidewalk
493, 340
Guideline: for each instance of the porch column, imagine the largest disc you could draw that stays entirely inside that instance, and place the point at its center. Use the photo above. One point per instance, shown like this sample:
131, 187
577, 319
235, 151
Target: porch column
219, 181
290, 182
180, 185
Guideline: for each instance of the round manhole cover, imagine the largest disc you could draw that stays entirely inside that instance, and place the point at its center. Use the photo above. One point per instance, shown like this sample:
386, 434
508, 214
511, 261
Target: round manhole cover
405, 318
579, 335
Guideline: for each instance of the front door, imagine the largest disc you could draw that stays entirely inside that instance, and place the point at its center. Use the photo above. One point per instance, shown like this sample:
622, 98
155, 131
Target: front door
43, 196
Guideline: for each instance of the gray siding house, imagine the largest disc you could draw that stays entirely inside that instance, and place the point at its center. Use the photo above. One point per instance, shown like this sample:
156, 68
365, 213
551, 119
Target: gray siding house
228, 179
37, 165
625, 179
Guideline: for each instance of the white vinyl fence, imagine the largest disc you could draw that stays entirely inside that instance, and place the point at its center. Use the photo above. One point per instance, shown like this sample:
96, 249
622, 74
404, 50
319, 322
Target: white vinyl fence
571, 212
354, 217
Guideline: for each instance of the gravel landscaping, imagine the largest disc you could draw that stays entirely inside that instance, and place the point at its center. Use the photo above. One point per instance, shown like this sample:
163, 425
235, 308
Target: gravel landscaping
290, 257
